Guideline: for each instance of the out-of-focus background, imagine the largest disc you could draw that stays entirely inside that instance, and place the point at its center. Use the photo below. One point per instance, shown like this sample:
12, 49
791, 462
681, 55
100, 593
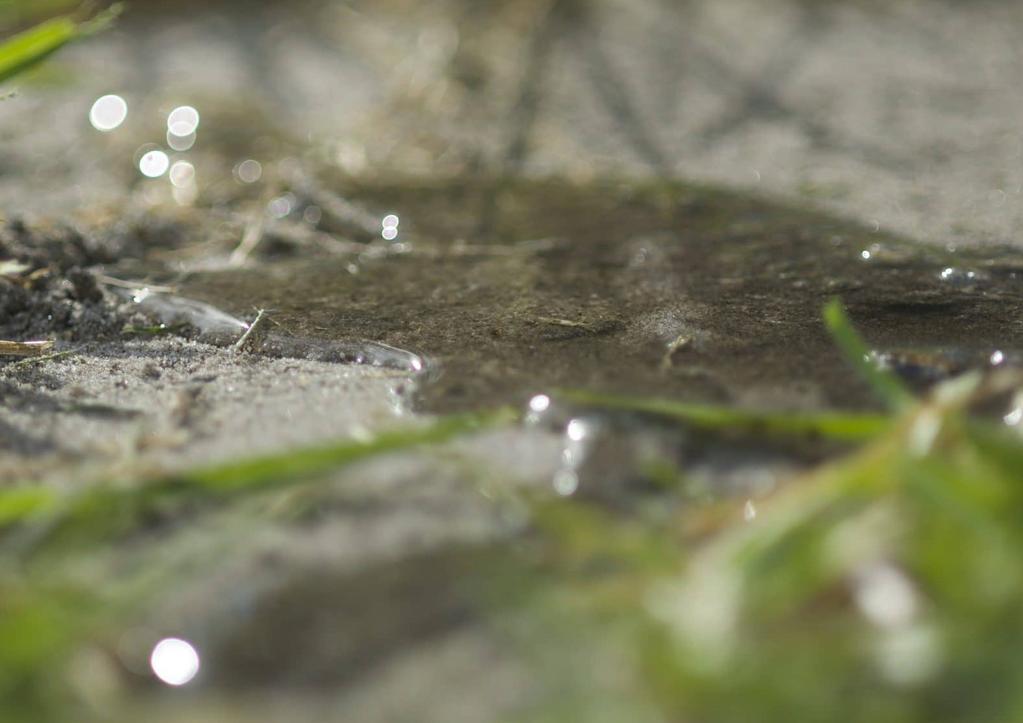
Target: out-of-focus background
903, 114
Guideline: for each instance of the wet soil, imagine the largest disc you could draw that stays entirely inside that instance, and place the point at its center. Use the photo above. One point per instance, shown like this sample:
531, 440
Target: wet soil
511, 288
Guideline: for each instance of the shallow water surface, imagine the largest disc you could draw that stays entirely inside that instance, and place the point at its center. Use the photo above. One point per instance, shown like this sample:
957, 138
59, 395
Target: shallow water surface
515, 287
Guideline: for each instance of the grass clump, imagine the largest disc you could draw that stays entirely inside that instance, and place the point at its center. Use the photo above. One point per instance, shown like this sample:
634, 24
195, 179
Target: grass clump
885, 586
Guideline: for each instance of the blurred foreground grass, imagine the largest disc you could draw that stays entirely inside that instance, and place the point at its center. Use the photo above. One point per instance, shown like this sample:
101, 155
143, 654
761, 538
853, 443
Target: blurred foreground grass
885, 586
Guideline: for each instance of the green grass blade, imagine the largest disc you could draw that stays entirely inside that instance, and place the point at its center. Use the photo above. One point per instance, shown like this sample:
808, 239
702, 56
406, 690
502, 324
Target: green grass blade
842, 426
108, 511
36, 44
288, 467
885, 384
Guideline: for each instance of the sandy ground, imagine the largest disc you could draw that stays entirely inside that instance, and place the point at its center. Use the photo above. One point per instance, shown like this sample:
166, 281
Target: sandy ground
170, 403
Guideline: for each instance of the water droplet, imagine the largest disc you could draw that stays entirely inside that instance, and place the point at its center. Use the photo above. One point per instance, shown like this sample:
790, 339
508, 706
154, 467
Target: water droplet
154, 164
248, 171
174, 661
312, 215
183, 121
281, 206
540, 403
108, 113
566, 482
180, 143
958, 277
576, 430
182, 174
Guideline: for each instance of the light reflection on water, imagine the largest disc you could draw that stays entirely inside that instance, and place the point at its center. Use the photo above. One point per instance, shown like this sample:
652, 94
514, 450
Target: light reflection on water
282, 205
182, 174
183, 121
175, 662
390, 225
108, 113
154, 164
578, 442
181, 143
248, 171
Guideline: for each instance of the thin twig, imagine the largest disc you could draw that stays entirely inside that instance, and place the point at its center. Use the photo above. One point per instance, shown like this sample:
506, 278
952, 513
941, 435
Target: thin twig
240, 344
25, 348
564, 322
40, 359
669, 357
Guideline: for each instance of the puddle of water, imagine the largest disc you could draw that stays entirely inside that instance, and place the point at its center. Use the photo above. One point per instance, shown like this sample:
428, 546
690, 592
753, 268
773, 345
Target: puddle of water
512, 288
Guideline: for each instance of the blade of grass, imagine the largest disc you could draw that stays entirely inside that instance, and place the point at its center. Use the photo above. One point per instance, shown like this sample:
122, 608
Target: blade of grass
36, 44
842, 426
290, 467
110, 510
886, 385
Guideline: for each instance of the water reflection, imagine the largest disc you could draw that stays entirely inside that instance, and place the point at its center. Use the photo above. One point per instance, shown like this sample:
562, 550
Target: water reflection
540, 403
390, 225
579, 435
154, 164
108, 113
175, 661
248, 171
183, 121
312, 215
282, 206
181, 143
182, 174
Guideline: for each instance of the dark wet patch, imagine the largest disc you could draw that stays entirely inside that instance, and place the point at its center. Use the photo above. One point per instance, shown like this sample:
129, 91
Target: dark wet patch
518, 287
